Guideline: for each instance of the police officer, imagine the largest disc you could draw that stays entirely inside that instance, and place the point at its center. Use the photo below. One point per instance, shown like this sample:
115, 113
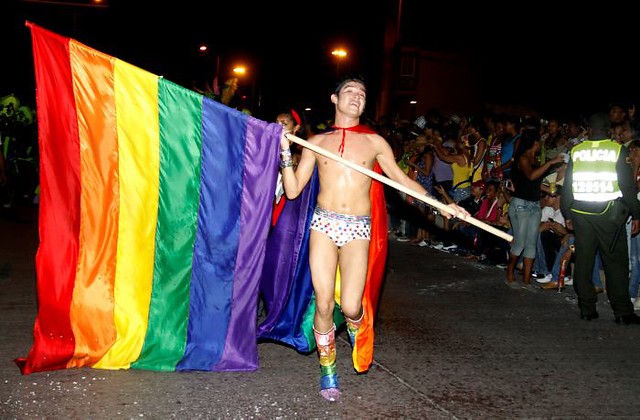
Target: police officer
599, 193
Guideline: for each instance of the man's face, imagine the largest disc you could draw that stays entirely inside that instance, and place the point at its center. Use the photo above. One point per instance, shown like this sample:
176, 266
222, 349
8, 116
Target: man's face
477, 192
510, 127
351, 99
616, 114
552, 200
491, 192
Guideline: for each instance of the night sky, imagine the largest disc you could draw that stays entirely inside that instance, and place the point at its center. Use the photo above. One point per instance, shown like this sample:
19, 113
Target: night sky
535, 55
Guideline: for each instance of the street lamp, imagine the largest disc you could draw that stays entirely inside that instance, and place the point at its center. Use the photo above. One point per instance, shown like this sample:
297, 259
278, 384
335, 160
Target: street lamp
241, 71
340, 54
207, 55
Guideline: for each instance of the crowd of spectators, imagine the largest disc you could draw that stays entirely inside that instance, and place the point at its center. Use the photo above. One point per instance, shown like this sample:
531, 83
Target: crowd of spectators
470, 160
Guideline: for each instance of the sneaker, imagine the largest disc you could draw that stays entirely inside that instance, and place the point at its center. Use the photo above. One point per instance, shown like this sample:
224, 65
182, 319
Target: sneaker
500, 265
550, 286
423, 243
636, 305
450, 247
437, 245
545, 279
402, 239
568, 281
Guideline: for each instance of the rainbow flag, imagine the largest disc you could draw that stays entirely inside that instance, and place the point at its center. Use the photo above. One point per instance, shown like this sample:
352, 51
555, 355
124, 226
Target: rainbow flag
154, 215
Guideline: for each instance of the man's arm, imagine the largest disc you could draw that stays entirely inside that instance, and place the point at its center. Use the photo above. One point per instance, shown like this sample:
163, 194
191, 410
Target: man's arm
445, 196
389, 166
627, 184
534, 173
566, 199
295, 181
480, 151
444, 155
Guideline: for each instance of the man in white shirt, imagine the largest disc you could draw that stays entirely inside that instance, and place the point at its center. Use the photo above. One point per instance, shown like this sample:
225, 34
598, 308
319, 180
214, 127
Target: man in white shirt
552, 230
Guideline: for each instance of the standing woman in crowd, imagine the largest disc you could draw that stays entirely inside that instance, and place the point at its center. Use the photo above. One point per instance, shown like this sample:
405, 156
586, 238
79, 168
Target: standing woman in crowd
524, 209
634, 248
494, 146
422, 163
290, 121
461, 163
477, 142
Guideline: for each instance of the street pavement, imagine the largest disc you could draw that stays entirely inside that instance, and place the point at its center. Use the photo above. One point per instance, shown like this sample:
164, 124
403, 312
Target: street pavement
452, 341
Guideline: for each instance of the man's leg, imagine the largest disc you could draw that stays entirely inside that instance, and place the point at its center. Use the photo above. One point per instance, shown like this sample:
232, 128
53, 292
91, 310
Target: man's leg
615, 264
326, 344
550, 245
555, 271
586, 244
323, 260
353, 325
353, 259
634, 262
540, 264
527, 268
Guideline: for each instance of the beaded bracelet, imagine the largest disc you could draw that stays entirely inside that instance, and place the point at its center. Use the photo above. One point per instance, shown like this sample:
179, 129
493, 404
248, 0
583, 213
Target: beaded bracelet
286, 163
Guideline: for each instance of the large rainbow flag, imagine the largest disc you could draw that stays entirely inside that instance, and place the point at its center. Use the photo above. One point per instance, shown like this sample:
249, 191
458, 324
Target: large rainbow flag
155, 226
154, 212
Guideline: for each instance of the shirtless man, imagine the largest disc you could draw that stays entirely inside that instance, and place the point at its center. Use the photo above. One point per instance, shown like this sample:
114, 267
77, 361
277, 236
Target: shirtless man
343, 202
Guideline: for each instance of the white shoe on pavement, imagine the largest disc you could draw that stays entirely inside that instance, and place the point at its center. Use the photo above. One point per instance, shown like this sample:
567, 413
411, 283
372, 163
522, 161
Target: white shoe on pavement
568, 281
545, 279
423, 243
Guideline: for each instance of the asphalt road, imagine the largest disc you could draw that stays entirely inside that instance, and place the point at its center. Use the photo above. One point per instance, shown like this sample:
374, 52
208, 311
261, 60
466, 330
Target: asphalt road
452, 341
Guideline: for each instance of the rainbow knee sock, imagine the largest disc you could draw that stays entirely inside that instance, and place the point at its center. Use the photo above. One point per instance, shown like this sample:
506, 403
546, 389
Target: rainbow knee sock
326, 343
352, 328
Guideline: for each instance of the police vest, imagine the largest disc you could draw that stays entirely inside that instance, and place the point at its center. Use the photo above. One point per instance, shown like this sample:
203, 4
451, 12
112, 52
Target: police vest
594, 171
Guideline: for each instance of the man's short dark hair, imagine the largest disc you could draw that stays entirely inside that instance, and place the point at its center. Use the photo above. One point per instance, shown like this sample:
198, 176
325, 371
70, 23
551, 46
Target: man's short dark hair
349, 78
600, 125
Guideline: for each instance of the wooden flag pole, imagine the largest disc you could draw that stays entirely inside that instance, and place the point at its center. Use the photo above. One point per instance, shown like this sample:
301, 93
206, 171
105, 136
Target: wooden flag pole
430, 201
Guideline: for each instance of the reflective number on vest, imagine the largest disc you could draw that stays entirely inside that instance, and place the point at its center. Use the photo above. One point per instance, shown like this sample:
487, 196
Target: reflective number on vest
592, 186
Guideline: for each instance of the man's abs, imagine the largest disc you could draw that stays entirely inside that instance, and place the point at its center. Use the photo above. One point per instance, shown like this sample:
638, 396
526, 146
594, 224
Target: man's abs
342, 189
